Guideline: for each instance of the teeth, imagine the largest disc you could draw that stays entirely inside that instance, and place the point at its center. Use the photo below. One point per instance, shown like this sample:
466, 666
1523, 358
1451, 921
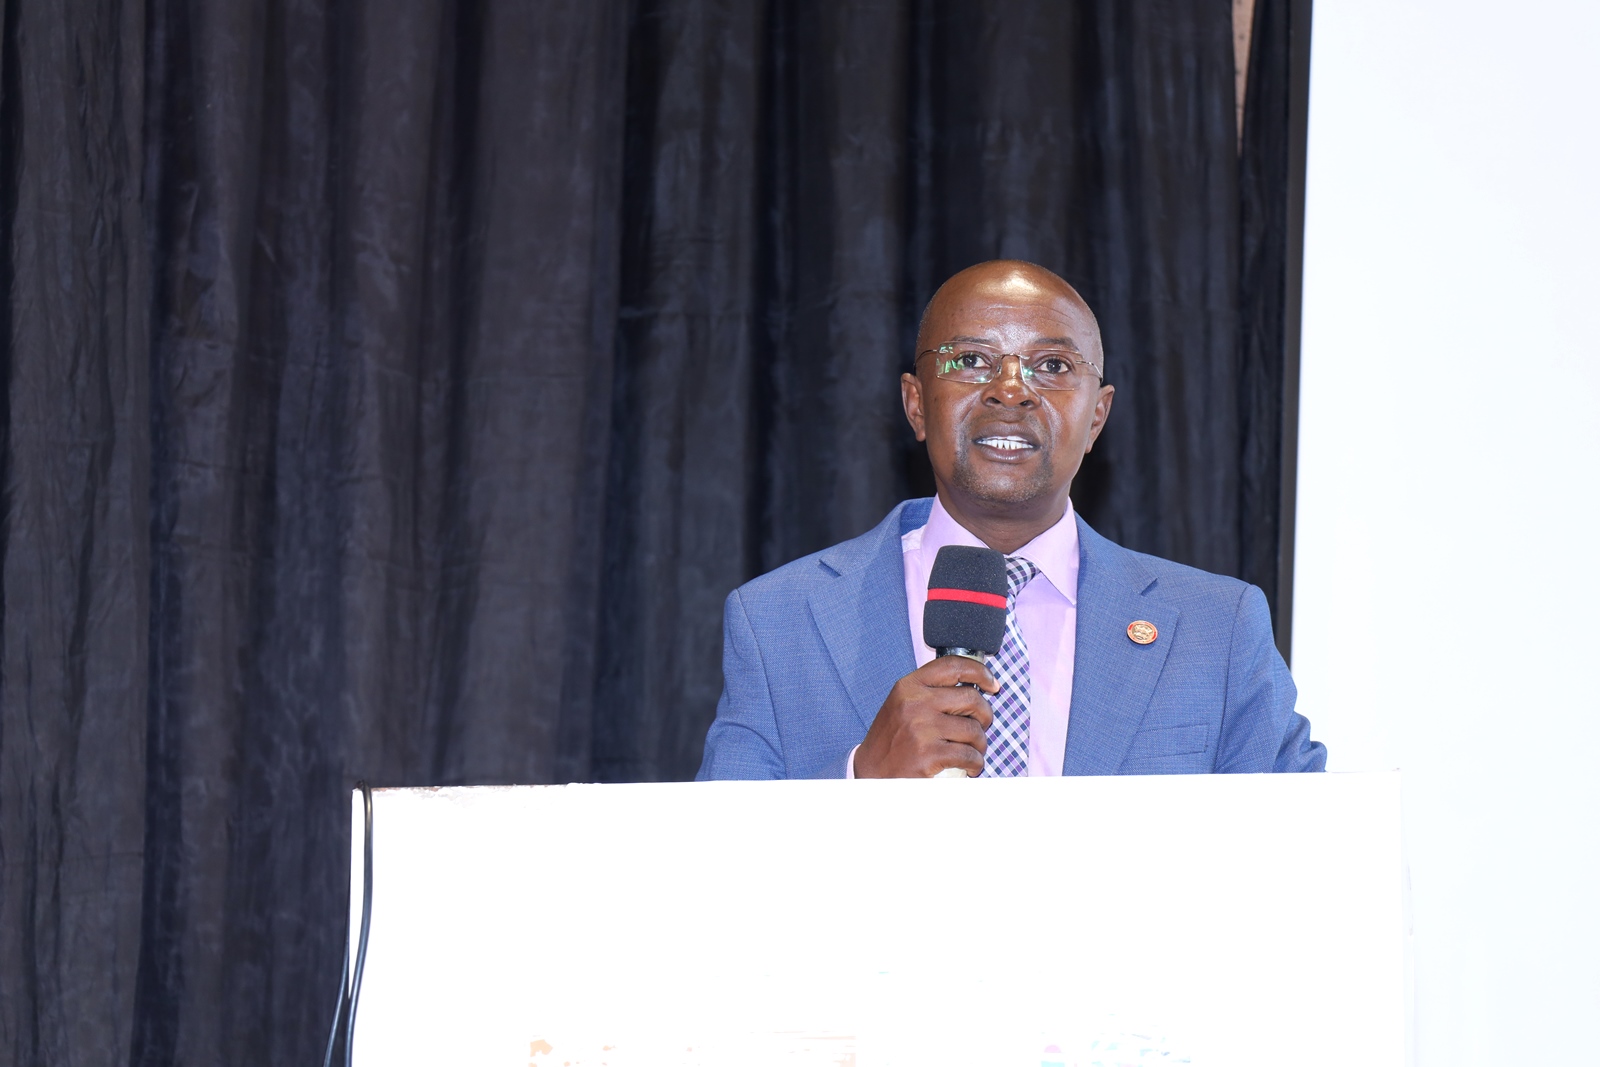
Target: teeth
1005, 444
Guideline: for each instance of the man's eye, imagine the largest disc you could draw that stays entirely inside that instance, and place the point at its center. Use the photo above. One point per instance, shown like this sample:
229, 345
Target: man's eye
1053, 365
969, 361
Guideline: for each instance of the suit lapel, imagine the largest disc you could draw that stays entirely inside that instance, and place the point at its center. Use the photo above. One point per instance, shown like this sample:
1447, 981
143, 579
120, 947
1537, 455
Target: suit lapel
1112, 677
861, 613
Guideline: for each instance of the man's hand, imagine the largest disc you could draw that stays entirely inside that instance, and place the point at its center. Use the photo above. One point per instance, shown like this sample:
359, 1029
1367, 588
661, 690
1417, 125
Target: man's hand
928, 723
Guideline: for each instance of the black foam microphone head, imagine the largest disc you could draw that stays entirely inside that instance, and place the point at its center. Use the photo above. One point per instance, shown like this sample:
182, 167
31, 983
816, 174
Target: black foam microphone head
966, 605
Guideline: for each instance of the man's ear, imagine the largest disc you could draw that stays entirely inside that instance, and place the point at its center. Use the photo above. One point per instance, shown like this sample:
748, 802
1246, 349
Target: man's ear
1102, 411
911, 400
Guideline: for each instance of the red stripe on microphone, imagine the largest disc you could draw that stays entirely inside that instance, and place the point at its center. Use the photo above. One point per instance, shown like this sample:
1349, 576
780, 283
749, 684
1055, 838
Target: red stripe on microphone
969, 596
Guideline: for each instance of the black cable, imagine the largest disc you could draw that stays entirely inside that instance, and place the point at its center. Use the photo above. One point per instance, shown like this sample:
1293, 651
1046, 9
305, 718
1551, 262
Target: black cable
366, 923
344, 991
350, 985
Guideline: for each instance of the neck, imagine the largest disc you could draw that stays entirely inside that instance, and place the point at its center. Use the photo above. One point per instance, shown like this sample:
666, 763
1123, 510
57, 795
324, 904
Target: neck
1004, 527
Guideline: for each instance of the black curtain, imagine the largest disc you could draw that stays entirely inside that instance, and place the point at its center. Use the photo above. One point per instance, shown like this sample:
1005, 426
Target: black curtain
395, 390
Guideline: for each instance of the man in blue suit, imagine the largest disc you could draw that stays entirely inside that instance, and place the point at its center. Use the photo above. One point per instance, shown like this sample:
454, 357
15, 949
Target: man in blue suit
1113, 662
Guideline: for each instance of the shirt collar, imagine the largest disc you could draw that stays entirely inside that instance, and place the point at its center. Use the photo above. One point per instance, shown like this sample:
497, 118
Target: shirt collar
1054, 552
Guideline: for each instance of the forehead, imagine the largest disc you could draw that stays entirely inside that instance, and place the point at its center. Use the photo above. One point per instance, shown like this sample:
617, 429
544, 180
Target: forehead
1010, 313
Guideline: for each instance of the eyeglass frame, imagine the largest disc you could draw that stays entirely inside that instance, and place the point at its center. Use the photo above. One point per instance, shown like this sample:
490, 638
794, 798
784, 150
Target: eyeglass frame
1025, 371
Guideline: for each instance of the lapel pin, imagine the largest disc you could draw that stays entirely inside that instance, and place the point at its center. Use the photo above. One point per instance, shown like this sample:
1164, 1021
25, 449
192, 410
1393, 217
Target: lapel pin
1141, 632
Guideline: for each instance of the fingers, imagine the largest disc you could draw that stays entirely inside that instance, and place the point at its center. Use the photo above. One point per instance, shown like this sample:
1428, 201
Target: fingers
954, 755
952, 741
964, 730
964, 703
954, 670
935, 687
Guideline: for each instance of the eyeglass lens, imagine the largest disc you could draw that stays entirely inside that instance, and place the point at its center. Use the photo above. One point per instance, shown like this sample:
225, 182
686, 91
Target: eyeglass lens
1043, 368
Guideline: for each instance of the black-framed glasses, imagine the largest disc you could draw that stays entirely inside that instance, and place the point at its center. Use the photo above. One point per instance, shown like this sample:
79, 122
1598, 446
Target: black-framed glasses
1043, 368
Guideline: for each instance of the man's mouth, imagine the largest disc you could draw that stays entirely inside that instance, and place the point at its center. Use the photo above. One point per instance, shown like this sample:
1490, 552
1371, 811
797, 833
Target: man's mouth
1010, 444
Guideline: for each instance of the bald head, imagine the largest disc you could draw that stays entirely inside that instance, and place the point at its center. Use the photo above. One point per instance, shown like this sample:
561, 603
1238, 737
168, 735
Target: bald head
1015, 282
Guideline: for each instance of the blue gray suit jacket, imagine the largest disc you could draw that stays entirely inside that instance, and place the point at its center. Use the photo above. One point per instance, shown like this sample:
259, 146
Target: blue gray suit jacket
811, 650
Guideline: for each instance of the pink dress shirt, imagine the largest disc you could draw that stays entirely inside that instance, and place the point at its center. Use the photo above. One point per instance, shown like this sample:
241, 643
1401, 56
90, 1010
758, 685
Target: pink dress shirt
1047, 613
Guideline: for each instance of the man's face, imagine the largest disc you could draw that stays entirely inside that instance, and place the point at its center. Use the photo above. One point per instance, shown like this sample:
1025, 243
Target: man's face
1004, 447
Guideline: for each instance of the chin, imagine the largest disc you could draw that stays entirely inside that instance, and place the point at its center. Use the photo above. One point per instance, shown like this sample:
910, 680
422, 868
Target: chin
1005, 489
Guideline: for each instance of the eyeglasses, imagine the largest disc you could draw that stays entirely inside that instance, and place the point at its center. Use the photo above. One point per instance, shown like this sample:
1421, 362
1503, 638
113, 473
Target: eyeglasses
979, 364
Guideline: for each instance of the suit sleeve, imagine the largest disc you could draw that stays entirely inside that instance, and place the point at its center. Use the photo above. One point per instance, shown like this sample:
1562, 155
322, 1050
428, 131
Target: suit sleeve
743, 741
1261, 731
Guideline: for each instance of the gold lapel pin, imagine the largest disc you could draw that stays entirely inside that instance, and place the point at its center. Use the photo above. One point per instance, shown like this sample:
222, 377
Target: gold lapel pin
1141, 632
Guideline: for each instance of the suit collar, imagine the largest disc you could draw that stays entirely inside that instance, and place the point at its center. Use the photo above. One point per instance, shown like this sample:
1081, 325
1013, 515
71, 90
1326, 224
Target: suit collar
1112, 677
871, 547
1054, 552
861, 613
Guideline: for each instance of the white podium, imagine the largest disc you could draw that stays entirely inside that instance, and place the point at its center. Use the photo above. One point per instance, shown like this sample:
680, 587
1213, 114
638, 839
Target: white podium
1210, 920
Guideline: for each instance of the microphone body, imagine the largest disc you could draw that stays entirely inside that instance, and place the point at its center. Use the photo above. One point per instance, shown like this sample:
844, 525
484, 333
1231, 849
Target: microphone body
972, 654
965, 614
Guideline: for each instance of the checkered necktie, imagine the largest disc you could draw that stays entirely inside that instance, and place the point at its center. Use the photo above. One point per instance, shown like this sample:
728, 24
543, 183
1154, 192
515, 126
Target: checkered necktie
1007, 756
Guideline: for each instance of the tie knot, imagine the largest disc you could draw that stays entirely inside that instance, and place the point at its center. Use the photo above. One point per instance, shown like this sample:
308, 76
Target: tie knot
1019, 572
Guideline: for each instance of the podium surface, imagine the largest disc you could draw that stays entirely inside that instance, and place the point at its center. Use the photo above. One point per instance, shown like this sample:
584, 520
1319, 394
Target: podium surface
1211, 920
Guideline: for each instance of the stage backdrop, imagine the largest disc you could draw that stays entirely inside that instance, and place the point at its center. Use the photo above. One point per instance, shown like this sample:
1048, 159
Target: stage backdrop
395, 390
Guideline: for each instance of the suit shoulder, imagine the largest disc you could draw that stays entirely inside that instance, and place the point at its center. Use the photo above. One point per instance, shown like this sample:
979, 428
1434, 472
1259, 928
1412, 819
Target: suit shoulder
1175, 576
793, 577
797, 577
1218, 604
1176, 581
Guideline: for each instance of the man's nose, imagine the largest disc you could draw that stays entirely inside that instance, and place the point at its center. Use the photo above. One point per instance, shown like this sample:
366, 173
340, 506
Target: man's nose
1008, 386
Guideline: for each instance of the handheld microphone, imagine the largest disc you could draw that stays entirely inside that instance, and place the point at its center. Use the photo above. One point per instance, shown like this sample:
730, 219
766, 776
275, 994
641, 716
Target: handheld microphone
965, 614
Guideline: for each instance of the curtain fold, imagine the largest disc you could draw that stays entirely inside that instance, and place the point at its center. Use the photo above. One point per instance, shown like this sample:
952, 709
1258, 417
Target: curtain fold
75, 553
396, 391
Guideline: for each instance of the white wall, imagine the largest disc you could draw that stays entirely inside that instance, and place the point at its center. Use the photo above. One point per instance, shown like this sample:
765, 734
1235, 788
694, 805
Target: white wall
1447, 570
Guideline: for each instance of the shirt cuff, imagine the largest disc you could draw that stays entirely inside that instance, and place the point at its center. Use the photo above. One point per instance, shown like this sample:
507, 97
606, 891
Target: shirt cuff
850, 764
